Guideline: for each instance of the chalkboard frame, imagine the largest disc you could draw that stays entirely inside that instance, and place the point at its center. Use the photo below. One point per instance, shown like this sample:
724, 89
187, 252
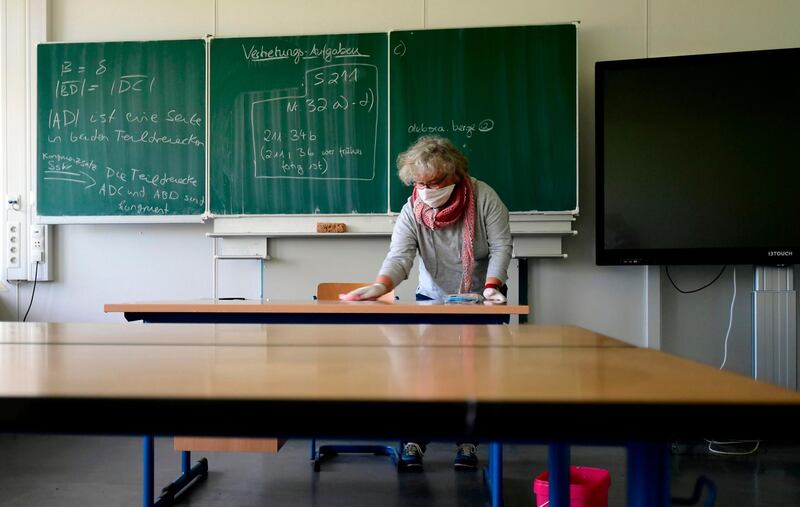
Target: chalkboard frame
375, 218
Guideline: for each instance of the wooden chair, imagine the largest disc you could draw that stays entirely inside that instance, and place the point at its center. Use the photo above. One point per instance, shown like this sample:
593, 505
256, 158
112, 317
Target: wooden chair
329, 291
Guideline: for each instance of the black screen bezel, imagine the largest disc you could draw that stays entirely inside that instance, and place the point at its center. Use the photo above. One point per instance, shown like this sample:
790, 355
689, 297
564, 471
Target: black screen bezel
768, 255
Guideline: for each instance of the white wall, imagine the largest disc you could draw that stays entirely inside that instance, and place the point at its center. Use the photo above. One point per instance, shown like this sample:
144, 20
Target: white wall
98, 264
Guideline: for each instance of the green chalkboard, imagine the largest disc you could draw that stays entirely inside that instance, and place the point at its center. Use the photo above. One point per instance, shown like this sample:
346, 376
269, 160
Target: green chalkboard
298, 124
121, 129
506, 96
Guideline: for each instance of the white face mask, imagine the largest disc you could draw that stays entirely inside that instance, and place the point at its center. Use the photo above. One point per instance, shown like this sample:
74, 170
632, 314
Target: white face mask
435, 197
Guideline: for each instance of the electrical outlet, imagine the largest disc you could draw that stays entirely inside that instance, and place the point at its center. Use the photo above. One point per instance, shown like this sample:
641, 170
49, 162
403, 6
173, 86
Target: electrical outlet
13, 252
40, 253
16, 246
37, 243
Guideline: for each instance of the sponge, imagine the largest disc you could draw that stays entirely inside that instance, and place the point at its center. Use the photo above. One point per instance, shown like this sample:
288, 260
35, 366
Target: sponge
331, 227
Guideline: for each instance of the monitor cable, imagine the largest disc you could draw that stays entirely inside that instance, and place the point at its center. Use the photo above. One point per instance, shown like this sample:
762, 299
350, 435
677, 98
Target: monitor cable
33, 292
666, 268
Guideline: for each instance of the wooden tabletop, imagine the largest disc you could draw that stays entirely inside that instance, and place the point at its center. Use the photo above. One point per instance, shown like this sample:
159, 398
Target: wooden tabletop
364, 380
313, 307
387, 373
304, 335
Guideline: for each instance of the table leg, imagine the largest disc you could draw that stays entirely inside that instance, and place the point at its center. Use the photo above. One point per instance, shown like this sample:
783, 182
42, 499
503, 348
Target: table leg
558, 468
185, 482
496, 468
186, 458
147, 471
493, 474
182, 484
648, 474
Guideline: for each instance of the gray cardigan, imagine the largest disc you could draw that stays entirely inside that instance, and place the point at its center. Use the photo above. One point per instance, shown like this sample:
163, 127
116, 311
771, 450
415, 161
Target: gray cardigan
440, 250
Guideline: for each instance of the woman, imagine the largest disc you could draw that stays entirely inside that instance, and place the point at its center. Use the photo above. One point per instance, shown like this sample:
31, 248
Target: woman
459, 227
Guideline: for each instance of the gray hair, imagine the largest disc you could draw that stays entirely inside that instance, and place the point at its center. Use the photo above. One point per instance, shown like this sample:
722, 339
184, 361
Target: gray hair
429, 157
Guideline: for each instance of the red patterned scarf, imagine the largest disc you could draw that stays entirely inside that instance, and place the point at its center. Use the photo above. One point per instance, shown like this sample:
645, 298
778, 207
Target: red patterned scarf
461, 204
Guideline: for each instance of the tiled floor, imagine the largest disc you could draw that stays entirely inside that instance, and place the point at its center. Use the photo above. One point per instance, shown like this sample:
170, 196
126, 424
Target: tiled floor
106, 471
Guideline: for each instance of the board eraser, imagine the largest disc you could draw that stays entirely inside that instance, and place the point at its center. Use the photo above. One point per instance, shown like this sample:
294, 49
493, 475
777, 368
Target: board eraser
331, 227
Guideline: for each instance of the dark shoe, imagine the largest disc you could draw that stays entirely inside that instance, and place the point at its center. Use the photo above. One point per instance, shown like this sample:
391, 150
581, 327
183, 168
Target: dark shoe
466, 458
411, 457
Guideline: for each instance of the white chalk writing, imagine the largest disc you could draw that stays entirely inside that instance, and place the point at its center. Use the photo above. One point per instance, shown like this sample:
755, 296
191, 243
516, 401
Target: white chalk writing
130, 109
262, 53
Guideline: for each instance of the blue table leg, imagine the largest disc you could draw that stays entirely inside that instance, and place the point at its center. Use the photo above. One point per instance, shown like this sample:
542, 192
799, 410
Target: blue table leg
186, 465
189, 478
648, 474
147, 471
318, 455
316, 459
181, 485
558, 473
493, 474
496, 471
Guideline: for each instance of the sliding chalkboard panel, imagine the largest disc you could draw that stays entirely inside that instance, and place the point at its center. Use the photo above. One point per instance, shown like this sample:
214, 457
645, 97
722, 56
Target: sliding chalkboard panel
121, 129
506, 96
299, 125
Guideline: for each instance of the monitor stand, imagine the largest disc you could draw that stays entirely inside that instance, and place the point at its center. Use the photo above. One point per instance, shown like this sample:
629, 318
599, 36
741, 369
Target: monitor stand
774, 307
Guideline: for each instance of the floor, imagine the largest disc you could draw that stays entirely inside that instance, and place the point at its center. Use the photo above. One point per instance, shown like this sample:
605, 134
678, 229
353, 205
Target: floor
38, 470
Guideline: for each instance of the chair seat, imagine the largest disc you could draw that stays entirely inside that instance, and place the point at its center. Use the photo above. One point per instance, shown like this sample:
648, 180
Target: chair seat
329, 291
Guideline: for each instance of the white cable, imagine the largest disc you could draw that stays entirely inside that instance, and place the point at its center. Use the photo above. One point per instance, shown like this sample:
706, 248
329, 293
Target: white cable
711, 443
730, 322
733, 453
731, 442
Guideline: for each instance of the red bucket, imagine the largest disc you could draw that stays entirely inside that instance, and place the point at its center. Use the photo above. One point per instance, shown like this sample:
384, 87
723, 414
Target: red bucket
588, 487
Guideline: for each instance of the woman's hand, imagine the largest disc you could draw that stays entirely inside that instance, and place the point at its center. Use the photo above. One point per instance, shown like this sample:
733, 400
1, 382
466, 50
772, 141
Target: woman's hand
493, 295
368, 292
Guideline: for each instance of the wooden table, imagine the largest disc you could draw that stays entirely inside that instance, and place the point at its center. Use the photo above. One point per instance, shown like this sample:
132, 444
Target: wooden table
547, 384
544, 384
314, 312
320, 312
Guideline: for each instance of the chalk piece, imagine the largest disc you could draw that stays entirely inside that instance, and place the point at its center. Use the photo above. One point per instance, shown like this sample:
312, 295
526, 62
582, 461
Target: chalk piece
331, 227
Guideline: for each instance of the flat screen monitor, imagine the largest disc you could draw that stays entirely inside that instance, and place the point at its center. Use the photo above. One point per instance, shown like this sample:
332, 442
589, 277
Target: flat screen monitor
698, 159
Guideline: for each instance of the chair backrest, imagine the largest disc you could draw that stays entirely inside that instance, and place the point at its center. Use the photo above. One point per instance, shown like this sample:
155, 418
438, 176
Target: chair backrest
331, 290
